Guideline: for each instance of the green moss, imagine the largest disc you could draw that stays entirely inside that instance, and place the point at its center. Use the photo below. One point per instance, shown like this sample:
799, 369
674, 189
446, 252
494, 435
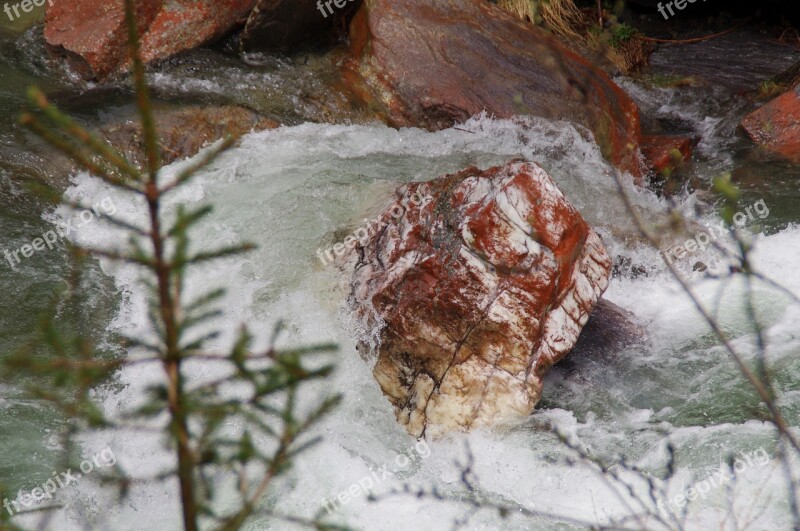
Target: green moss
670, 80
769, 89
621, 33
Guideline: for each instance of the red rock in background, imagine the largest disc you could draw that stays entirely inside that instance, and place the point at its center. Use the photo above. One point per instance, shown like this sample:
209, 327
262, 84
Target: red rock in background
93, 36
186, 24
776, 125
431, 63
92, 33
426, 63
476, 293
665, 154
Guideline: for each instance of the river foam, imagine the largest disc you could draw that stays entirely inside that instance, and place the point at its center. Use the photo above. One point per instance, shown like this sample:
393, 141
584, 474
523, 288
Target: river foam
291, 189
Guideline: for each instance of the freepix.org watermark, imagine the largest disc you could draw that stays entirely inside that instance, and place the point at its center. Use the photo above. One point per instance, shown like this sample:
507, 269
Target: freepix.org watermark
679, 4
26, 6
722, 477
420, 450
374, 227
704, 239
325, 8
63, 229
59, 480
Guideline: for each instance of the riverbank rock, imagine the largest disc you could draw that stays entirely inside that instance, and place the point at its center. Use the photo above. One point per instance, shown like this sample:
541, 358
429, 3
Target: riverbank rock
183, 131
433, 63
186, 24
93, 36
475, 291
776, 125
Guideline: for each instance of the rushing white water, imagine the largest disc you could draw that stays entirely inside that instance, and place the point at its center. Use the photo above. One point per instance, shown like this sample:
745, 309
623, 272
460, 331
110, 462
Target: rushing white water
289, 190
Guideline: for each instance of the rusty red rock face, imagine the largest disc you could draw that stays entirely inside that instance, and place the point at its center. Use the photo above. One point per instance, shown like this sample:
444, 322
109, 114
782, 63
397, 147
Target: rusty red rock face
665, 154
477, 293
185, 24
430, 63
776, 125
92, 33
93, 36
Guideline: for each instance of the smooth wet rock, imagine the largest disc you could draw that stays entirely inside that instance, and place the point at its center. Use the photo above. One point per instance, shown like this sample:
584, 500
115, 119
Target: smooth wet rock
475, 292
93, 36
183, 131
665, 154
433, 63
776, 125
186, 24
610, 329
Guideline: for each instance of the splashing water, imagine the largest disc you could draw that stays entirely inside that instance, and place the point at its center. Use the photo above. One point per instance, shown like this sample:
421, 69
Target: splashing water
289, 190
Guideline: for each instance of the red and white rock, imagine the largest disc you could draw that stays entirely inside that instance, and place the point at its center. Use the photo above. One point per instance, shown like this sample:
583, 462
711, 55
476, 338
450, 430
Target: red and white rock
476, 294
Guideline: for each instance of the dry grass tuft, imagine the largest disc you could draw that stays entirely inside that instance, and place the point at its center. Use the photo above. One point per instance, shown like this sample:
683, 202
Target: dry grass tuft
523, 9
627, 54
563, 18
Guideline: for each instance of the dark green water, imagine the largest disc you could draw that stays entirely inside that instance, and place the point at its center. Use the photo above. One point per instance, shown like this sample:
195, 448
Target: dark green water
27, 425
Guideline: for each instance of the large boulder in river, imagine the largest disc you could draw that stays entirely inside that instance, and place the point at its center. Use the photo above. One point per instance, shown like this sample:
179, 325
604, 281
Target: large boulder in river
432, 63
93, 36
475, 286
776, 125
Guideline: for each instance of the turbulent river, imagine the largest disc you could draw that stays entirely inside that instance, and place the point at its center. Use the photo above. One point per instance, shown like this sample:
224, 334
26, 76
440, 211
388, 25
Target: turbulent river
293, 190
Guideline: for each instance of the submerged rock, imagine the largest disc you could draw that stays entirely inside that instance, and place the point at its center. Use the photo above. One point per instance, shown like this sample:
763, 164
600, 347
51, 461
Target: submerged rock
183, 131
93, 36
610, 329
432, 63
475, 292
776, 125
665, 154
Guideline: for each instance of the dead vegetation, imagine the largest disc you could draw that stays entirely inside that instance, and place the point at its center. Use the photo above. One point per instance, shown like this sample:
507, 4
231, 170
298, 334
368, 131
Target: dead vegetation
616, 42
